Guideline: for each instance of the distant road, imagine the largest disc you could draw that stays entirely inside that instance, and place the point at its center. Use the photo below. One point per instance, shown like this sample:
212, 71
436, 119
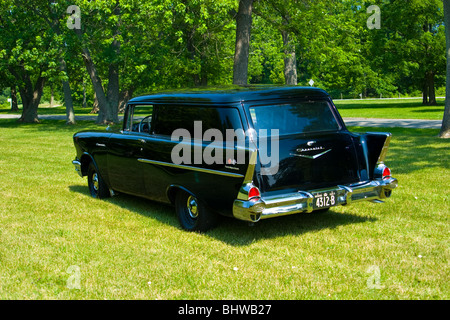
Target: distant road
360, 122
402, 98
402, 123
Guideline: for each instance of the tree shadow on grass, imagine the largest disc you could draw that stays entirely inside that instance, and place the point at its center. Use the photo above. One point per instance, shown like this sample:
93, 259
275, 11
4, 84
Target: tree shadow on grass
428, 109
50, 126
235, 232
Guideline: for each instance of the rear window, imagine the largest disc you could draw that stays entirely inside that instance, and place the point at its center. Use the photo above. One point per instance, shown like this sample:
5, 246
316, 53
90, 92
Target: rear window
301, 117
170, 117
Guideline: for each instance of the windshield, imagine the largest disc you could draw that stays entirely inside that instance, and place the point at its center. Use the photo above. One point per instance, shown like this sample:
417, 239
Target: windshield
300, 117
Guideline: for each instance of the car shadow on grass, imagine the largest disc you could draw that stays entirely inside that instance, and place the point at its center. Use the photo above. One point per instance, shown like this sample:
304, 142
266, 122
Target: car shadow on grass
239, 233
235, 232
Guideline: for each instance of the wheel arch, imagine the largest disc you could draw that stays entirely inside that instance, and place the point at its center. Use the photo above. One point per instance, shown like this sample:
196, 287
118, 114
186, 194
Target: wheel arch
85, 160
172, 191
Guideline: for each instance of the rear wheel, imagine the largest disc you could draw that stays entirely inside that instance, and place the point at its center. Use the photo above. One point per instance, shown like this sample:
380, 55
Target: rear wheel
192, 214
97, 187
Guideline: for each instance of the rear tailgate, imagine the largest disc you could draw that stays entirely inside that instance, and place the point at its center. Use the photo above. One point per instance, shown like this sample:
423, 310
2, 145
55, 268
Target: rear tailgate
305, 145
309, 162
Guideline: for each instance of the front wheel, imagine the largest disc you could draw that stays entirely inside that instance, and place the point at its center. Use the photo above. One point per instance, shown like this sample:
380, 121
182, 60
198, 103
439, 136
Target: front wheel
97, 187
192, 214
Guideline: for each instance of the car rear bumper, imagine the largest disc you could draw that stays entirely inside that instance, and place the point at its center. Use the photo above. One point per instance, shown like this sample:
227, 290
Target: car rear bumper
303, 201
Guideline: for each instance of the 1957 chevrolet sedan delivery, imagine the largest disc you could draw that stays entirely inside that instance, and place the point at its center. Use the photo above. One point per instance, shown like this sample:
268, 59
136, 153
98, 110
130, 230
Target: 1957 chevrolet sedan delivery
249, 153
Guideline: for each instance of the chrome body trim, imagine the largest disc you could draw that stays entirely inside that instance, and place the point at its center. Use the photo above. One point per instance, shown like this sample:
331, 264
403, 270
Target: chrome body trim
198, 169
248, 179
302, 201
385, 148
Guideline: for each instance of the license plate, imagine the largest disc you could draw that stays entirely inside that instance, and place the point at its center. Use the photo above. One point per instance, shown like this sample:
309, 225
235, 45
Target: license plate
324, 199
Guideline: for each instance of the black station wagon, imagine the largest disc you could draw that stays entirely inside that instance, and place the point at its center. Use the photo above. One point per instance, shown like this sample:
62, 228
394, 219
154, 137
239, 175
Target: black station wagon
249, 153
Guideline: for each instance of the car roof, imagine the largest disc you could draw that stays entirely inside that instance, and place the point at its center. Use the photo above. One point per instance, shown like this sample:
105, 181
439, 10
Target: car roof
230, 95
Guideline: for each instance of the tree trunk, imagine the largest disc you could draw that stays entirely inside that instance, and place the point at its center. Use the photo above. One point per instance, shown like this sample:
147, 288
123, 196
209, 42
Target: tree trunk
30, 99
70, 114
95, 108
113, 74
104, 112
113, 86
113, 92
243, 31
425, 91
445, 129
14, 105
431, 90
52, 97
108, 103
104, 109
84, 103
124, 96
290, 63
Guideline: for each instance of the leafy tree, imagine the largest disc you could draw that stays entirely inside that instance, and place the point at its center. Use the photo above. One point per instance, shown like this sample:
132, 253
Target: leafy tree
28, 54
99, 30
409, 46
279, 14
55, 14
265, 65
320, 40
197, 37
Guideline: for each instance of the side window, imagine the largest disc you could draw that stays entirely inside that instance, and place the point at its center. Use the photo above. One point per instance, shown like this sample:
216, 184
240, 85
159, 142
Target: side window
170, 118
139, 119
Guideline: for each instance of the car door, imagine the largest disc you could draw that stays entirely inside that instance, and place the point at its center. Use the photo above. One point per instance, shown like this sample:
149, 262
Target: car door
125, 150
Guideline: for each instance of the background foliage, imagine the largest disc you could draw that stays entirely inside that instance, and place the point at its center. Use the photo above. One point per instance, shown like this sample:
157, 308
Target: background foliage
157, 44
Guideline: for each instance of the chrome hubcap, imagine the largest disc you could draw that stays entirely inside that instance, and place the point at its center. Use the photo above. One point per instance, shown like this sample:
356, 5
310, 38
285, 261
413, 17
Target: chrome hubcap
95, 181
192, 207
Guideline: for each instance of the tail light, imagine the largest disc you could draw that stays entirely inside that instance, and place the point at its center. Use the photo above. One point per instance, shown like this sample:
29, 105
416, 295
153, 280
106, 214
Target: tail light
386, 173
254, 193
382, 172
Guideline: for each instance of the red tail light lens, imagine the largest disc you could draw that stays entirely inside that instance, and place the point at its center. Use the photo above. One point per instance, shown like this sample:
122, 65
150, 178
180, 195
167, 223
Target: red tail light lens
386, 172
253, 193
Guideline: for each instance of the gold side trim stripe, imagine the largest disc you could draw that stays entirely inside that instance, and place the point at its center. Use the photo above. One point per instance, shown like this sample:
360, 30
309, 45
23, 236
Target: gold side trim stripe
180, 166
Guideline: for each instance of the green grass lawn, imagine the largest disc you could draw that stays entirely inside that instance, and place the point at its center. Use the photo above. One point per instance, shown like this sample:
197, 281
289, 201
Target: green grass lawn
390, 109
130, 248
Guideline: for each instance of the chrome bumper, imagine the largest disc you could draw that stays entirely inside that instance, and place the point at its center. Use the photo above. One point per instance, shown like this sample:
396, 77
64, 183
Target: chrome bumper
77, 165
302, 201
